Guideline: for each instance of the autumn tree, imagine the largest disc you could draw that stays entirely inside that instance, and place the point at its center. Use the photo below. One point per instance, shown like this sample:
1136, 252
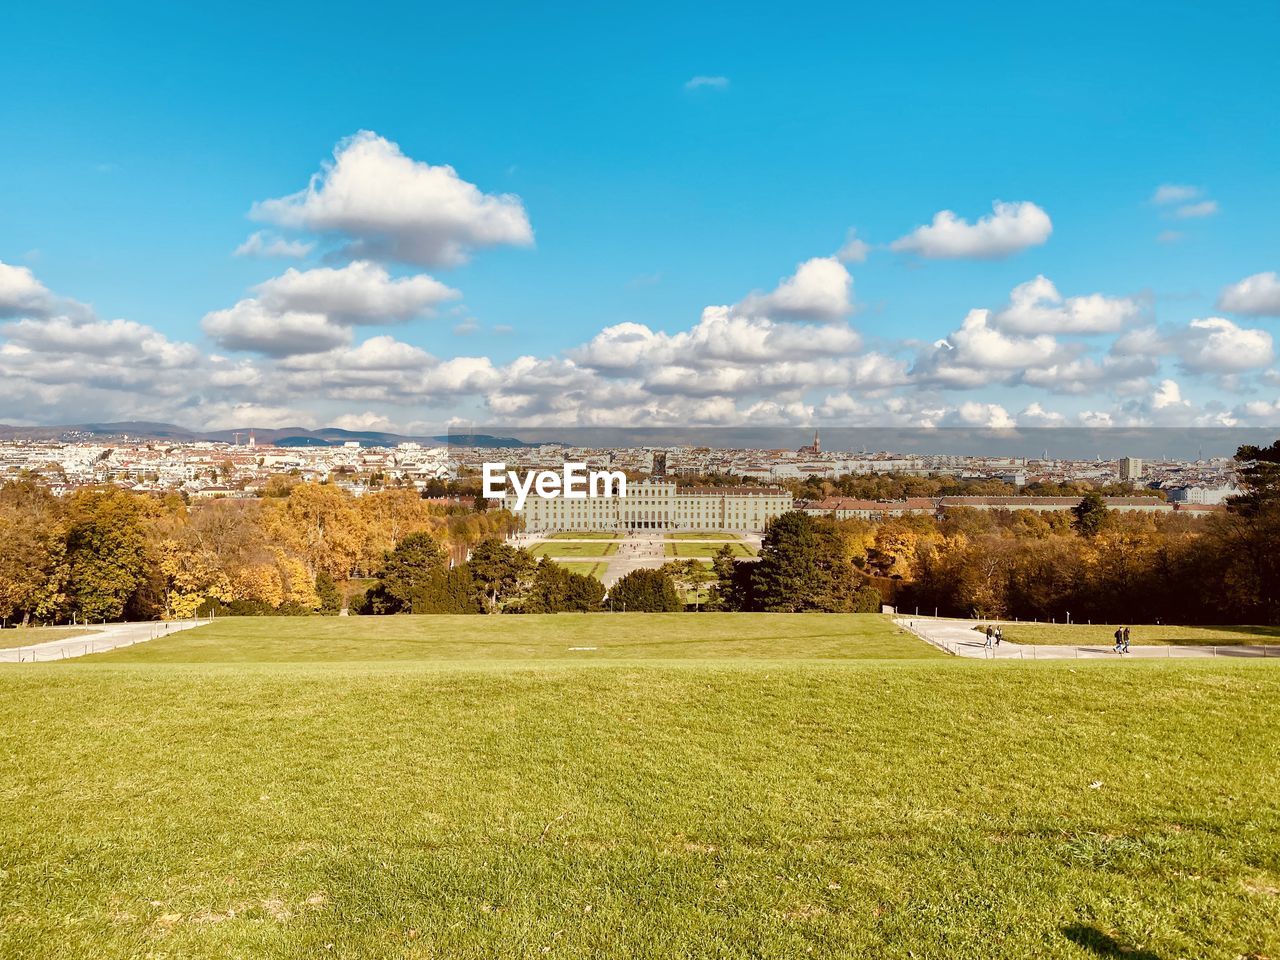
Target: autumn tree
32, 552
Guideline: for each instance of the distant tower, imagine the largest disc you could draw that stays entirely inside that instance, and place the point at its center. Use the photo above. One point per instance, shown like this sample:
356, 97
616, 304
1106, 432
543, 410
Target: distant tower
252, 441
817, 444
1130, 468
659, 464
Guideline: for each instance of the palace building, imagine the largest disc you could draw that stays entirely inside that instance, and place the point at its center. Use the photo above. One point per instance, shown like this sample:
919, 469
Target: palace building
651, 505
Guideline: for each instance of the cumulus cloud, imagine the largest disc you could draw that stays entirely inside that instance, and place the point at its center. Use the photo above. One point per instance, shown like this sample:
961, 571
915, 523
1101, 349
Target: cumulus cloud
249, 325
1037, 307
388, 206
1011, 228
21, 294
361, 292
979, 354
117, 339
261, 243
1258, 296
701, 82
820, 289
1215, 345
854, 249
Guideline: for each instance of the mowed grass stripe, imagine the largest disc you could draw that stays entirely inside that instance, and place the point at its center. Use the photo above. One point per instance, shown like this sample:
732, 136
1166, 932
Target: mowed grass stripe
705, 550
556, 549
536, 637
936, 809
1163, 634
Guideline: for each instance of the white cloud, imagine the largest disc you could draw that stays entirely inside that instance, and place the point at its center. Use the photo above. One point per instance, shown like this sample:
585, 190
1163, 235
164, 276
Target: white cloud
820, 289
359, 422
361, 292
1216, 345
389, 206
1037, 307
971, 413
251, 326
1141, 341
1168, 193
125, 340
1258, 295
1035, 415
21, 294
1170, 236
1011, 228
1205, 208
854, 250
262, 243
706, 82
978, 354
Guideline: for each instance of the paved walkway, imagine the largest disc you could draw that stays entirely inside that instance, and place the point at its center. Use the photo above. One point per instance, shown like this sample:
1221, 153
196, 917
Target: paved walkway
959, 638
104, 638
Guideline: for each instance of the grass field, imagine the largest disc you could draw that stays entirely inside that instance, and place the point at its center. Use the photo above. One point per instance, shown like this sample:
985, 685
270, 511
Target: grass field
1103, 635
687, 550
29, 636
283, 788
586, 568
587, 535
589, 549
703, 535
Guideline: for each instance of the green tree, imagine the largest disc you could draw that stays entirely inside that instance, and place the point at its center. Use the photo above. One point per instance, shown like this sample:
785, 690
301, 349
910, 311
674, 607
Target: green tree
1090, 515
557, 590
501, 572
407, 569
644, 591
329, 594
803, 566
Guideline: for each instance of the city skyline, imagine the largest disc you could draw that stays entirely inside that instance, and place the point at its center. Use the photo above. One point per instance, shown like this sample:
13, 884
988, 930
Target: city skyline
589, 219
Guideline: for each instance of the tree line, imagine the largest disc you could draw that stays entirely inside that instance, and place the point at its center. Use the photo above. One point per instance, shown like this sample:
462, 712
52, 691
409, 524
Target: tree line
108, 554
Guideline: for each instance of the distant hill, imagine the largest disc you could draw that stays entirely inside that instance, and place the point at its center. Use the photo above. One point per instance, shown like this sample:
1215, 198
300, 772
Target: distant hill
278, 436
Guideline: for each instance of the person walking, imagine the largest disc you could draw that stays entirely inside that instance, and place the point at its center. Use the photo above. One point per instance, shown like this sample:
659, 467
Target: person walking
1119, 648
991, 636
1126, 640
999, 635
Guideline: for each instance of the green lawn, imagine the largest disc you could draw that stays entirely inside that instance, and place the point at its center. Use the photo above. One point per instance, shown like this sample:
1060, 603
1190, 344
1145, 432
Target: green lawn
686, 550
703, 535
587, 535
1104, 635
29, 636
533, 639
589, 549
705, 797
586, 568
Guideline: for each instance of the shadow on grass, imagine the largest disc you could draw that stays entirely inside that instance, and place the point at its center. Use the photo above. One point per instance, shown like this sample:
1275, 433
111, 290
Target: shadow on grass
1103, 944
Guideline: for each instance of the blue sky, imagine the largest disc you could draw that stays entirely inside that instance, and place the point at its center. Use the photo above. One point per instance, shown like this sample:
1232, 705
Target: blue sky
140, 137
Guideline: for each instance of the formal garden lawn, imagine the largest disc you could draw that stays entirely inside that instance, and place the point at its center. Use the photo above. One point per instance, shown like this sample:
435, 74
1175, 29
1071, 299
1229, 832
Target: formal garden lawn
732, 785
1104, 635
586, 535
568, 549
703, 535
29, 636
686, 550
585, 568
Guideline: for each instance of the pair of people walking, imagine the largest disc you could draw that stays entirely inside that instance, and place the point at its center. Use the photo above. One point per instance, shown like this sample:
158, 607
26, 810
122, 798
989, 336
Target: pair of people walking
994, 636
1122, 640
